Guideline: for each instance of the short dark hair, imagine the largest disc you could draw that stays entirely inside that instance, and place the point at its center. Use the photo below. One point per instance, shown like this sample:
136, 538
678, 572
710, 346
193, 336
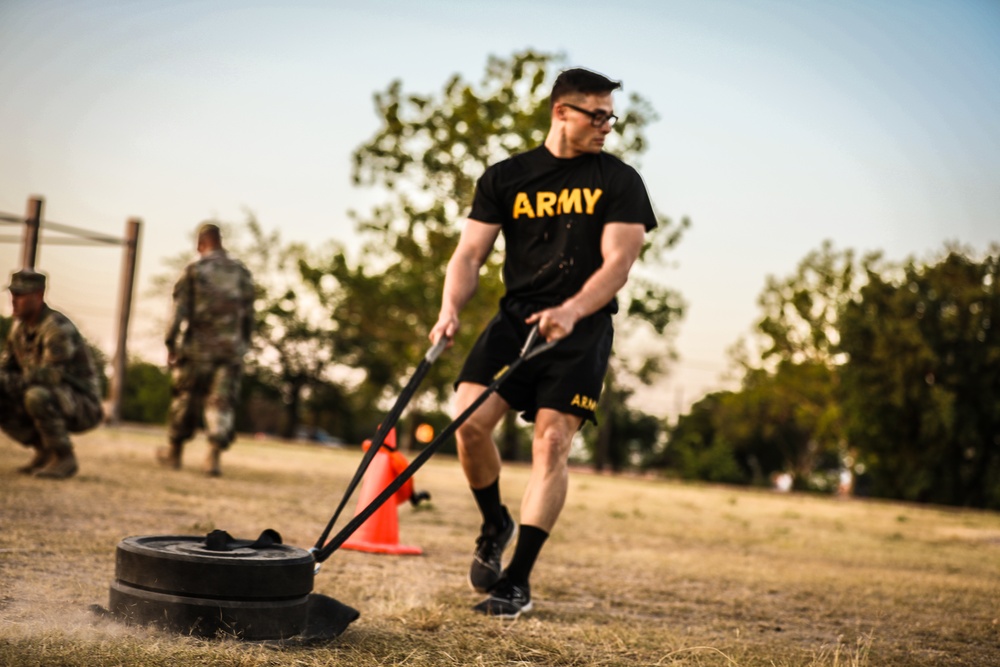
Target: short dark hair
209, 230
580, 80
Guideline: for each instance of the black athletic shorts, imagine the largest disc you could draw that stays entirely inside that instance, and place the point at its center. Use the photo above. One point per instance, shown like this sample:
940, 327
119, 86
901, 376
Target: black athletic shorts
566, 378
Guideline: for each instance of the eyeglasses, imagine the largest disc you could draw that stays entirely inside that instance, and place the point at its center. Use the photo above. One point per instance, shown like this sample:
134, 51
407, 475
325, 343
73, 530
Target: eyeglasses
597, 118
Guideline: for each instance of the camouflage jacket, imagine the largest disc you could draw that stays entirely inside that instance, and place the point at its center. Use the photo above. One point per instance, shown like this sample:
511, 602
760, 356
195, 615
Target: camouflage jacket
50, 352
213, 310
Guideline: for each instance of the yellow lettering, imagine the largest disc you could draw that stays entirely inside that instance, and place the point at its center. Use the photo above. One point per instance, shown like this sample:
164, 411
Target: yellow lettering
591, 197
576, 400
522, 205
569, 201
549, 204
545, 205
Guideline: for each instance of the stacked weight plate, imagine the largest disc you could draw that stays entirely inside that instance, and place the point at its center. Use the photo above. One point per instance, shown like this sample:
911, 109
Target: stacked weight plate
177, 583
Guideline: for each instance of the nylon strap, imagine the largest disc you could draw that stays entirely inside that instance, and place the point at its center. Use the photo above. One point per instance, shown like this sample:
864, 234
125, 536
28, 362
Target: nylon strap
321, 553
383, 431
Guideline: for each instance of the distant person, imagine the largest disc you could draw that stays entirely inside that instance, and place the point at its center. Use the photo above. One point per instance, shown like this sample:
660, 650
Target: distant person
48, 383
574, 220
208, 336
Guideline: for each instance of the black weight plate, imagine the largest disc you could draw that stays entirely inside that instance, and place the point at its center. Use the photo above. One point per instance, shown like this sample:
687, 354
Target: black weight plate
182, 565
250, 620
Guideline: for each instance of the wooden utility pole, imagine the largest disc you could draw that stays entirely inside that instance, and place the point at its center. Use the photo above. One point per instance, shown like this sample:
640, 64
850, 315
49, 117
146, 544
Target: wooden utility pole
129, 261
32, 221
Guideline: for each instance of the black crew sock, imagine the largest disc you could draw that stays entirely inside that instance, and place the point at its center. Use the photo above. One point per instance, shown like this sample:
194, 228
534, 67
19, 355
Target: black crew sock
488, 500
529, 543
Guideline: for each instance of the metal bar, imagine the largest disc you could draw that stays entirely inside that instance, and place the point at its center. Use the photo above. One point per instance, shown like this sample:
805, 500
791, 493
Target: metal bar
60, 240
83, 233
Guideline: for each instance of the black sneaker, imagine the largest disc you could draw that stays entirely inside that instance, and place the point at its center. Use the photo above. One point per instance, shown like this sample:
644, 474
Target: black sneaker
490, 545
506, 600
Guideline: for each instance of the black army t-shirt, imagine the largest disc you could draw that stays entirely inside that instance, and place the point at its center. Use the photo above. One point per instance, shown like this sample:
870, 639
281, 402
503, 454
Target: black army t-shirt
552, 213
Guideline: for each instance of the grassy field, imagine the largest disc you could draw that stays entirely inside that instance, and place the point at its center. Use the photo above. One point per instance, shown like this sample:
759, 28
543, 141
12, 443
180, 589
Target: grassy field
638, 572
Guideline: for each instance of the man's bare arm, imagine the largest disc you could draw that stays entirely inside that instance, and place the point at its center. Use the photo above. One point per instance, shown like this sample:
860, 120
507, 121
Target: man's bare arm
462, 276
621, 243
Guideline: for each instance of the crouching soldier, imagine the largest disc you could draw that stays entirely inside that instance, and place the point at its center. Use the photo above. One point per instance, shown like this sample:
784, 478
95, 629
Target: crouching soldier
48, 383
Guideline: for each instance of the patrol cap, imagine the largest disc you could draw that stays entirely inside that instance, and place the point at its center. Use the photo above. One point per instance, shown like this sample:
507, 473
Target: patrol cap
26, 281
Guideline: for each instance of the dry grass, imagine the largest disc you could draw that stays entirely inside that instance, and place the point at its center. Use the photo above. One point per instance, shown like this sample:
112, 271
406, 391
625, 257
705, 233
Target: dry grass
639, 572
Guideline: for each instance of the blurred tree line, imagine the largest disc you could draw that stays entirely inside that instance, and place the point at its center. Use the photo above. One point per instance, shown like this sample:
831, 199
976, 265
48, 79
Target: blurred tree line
888, 372
884, 373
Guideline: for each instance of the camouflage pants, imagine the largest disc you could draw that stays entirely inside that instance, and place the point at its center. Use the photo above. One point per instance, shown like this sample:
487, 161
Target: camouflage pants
43, 417
204, 388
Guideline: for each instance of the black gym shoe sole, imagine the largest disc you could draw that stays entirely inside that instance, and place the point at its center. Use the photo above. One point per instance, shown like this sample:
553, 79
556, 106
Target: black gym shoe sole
507, 601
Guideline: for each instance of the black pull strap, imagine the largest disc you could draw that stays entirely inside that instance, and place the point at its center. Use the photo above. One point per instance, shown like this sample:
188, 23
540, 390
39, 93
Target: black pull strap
530, 349
383, 431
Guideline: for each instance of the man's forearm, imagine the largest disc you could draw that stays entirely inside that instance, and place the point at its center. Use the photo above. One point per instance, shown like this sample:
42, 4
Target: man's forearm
620, 246
620, 250
461, 281
599, 289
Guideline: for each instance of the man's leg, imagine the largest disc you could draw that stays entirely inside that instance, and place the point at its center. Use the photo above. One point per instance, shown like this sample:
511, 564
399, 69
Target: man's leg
545, 494
43, 407
477, 452
220, 414
480, 461
181, 417
16, 423
85, 413
541, 505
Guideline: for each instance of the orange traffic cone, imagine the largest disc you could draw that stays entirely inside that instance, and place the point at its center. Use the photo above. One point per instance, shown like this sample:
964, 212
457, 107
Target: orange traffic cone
380, 532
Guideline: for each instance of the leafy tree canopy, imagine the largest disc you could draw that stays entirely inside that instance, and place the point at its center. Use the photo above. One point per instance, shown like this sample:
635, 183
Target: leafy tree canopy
921, 385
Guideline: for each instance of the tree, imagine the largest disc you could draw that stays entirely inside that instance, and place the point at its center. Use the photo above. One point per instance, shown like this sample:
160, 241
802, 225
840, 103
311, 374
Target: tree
626, 438
148, 398
800, 312
921, 384
787, 417
426, 157
777, 422
696, 449
784, 421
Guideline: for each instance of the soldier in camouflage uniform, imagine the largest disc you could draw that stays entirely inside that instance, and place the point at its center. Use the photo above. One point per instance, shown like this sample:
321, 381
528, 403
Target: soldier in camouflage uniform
48, 383
208, 335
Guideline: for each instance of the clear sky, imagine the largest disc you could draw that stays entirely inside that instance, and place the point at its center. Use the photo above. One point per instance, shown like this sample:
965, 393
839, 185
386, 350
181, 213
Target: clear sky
875, 124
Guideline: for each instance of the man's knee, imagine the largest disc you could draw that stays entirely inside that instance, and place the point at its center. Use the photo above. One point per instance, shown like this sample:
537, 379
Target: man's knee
39, 402
220, 425
552, 443
473, 432
554, 438
19, 427
479, 427
87, 414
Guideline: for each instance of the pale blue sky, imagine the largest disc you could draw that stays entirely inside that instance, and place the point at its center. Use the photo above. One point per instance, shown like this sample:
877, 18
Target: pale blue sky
783, 123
